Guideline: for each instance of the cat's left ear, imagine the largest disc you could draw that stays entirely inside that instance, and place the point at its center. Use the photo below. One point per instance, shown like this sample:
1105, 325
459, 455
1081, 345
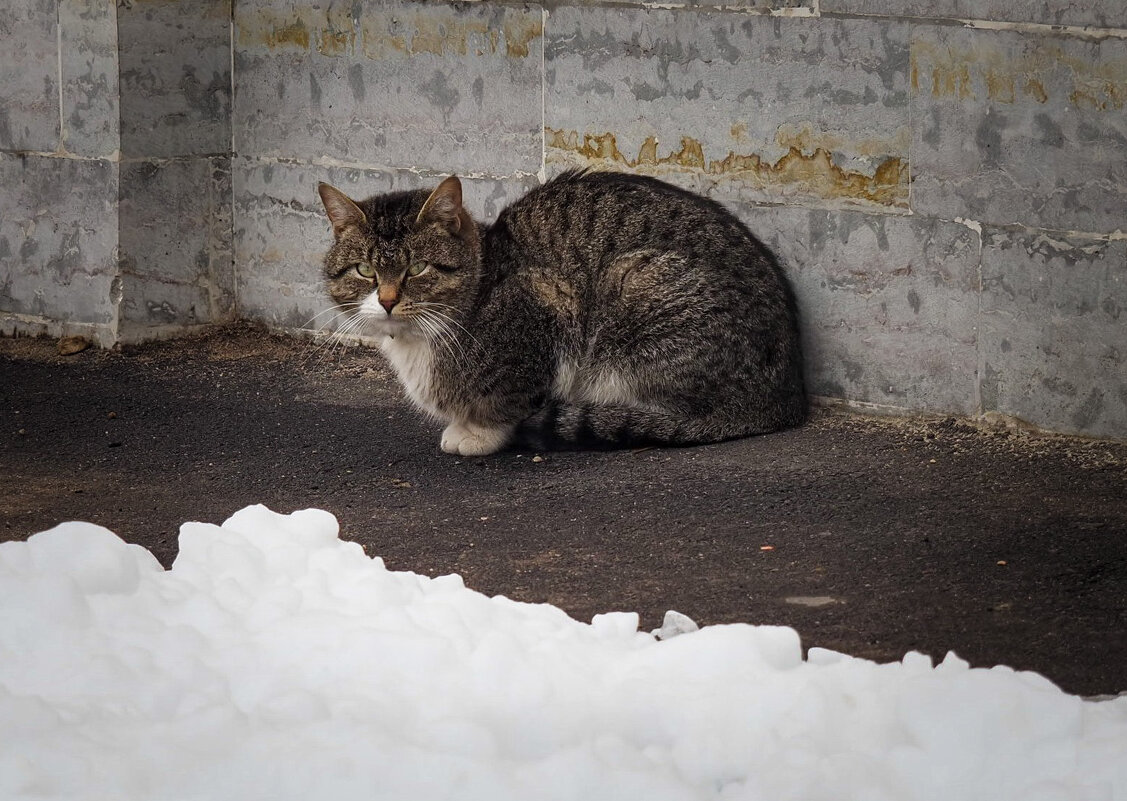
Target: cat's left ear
444, 207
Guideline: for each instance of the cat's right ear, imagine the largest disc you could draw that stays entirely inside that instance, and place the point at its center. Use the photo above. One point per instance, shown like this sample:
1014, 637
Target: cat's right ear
343, 212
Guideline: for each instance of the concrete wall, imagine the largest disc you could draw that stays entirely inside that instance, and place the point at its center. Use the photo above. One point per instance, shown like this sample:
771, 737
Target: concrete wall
115, 152
945, 181
175, 212
59, 168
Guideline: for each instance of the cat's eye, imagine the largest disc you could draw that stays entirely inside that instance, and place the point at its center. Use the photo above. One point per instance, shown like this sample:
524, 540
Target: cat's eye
365, 270
417, 268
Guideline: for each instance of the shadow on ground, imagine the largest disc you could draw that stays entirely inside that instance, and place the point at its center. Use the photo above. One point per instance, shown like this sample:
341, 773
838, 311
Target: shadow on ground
873, 537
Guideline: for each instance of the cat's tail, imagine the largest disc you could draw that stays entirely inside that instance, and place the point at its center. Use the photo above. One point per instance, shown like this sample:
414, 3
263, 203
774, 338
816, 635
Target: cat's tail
563, 426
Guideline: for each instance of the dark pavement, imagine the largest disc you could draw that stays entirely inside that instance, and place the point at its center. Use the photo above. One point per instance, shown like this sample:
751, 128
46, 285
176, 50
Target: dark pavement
872, 537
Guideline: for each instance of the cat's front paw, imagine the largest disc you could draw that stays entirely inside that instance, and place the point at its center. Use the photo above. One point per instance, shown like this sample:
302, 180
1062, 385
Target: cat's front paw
466, 439
451, 436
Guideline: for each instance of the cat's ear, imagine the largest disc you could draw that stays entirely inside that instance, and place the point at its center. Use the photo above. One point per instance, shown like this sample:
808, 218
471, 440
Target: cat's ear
343, 212
444, 207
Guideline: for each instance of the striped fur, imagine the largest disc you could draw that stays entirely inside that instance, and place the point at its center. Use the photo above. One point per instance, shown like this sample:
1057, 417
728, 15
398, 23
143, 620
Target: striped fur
600, 310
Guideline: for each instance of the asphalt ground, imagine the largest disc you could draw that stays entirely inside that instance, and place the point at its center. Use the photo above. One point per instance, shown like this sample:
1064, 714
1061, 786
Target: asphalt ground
871, 536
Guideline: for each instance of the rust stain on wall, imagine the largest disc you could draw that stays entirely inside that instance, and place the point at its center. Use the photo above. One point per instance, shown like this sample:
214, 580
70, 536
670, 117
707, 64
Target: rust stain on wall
817, 174
690, 155
1035, 89
336, 41
807, 139
443, 35
432, 30
1000, 86
330, 31
951, 81
813, 173
1038, 73
519, 36
293, 34
1099, 99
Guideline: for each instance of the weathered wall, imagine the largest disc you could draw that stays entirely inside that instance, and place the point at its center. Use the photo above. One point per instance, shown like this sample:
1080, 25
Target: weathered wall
175, 254
944, 181
115, 220
59, 168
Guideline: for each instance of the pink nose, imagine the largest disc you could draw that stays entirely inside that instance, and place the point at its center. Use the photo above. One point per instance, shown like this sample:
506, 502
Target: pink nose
388, 297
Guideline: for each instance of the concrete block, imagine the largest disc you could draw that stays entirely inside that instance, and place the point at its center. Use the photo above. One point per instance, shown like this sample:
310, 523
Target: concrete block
1016, 129
175, 233
154, 309
90, 110
281, 232
781, 7
742, 107
29, 76
166, 207
397, 84
1096, 13
175, 77
888, 304
1054, 331
58, 233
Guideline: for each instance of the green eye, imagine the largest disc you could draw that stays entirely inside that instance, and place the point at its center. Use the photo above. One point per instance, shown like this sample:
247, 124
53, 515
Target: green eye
366, 270
417, 268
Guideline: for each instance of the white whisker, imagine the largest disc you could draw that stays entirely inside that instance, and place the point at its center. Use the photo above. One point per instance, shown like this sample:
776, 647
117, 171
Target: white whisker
320, 341
435, 334
444, 334
434, 308
340, 308
337, 340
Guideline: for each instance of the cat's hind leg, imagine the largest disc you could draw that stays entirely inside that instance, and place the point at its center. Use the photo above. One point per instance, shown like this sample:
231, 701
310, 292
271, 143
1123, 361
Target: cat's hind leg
470, 439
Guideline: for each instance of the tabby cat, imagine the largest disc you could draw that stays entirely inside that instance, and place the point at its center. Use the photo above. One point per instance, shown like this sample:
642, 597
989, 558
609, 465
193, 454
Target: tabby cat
601, 309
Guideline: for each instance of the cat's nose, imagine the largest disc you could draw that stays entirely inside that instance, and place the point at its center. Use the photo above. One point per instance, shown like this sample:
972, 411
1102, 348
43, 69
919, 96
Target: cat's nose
388, 299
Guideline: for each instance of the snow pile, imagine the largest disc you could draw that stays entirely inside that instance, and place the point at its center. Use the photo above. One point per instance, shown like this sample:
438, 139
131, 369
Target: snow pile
274, 661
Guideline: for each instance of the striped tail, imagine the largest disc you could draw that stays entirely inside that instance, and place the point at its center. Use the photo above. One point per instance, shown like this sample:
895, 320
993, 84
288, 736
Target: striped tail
562, 426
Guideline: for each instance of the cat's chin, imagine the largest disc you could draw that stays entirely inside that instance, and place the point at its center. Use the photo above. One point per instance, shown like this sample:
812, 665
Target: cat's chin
390, 327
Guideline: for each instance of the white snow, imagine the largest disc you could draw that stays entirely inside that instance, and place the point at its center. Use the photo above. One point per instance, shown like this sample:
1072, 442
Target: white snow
274, 661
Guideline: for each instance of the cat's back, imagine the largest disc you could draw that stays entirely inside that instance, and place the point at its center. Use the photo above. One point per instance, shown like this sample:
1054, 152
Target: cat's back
609, 206
583, 220
595, 189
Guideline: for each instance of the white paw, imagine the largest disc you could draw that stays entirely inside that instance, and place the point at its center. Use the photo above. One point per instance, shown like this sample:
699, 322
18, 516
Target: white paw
451, 436
467, 439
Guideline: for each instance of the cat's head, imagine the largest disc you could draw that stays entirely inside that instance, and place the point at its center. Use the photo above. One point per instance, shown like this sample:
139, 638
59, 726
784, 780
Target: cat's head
403, 261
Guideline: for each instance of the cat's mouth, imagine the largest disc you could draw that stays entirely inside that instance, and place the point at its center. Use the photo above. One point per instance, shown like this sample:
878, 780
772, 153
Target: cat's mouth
393, 325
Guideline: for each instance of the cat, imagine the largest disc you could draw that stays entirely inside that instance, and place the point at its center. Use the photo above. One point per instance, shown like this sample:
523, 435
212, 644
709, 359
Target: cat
601, 309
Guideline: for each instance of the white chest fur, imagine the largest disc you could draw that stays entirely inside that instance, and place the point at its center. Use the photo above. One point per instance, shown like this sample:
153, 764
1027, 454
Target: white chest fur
413, 361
